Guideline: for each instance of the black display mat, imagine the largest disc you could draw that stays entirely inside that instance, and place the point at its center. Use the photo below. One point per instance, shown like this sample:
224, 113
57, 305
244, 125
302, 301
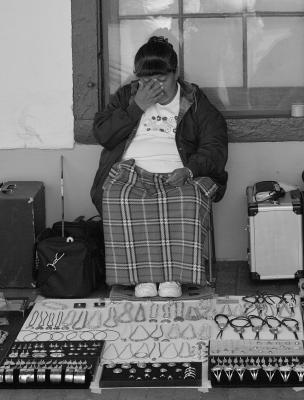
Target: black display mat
51, 364
151, 375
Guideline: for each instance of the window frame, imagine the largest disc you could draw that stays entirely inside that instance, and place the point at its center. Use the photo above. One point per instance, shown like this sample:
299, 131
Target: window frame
89, 65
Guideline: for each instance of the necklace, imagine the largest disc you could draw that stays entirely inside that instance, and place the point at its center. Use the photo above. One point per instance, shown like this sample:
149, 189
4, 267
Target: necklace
33, 320
58, 321
179, 311
174, 332
140, 314
185, 350
188, 333
111, 320
95, 320
126, 315
42, 319
166, 313
192, 314
153, 334
76, 325
50, 320
153, 312
68, 319
139, 334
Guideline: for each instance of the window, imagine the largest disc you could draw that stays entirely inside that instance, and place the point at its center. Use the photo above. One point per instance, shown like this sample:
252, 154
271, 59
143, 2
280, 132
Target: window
247, 55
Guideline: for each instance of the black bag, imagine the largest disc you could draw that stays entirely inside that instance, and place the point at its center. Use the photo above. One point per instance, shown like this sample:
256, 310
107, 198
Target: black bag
72, 264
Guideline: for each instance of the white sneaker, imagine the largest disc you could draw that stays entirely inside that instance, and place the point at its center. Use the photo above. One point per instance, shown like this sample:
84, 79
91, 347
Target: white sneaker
170, 289
145, 290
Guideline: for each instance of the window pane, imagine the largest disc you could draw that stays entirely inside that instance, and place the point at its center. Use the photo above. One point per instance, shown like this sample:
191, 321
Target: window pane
137, 7
212, 6
275, 51
213, 51
275, 5
126, 38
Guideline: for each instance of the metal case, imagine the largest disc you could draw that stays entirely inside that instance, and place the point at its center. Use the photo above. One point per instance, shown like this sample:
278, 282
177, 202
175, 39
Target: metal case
275, 236
22, 216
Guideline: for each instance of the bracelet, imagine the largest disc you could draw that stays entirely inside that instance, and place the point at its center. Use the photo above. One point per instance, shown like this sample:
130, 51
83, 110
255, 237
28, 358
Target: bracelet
43, 337
35, 334
190, 173
97, 334
70, 336
83, 335
55, 338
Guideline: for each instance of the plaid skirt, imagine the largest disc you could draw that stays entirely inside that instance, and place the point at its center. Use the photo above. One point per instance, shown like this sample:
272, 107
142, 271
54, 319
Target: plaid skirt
154, 232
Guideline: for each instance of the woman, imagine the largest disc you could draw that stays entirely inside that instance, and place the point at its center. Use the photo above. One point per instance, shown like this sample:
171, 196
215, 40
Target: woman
165, 149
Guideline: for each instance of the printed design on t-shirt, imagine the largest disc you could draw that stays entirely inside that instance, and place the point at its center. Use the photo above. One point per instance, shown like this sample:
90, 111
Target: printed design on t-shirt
164, 124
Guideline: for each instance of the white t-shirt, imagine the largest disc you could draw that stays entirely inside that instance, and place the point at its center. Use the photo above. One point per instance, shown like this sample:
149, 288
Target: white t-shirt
153, 147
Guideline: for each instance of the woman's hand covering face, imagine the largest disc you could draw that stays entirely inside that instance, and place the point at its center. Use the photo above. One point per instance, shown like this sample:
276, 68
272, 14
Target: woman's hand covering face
148, 93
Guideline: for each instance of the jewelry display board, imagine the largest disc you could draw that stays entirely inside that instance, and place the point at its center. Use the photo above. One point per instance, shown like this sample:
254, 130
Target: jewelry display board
256, 363
151, 375
176, 334
50, 364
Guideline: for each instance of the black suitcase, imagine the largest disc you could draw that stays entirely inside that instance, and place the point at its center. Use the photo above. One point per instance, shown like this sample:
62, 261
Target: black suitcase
22, 218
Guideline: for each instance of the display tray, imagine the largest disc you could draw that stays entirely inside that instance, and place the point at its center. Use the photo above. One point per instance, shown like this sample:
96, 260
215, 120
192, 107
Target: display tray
54, 364
256, 363
151, 375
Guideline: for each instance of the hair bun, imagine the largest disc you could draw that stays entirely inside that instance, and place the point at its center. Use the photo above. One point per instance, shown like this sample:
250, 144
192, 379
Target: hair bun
159, 39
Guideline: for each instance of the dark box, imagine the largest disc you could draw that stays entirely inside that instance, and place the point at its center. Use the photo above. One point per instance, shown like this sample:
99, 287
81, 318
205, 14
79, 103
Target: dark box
22, 218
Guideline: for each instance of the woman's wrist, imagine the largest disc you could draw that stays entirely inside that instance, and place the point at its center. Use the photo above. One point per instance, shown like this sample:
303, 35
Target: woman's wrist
190, 173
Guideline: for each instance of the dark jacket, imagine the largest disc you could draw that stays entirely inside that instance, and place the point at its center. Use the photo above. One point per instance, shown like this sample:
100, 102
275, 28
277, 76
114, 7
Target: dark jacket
201, 135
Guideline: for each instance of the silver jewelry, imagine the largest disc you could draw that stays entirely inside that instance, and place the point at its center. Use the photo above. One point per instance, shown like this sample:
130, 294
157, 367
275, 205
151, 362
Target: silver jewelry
270, 371
179, 311
153, 317
68, 320
140, 314
285, 371
43, 316
166, 313
33, 320
111, 320
126, 315
58, 321
192, 314
78, 324
188, 332
139, 334
94, 321
174, 332
154, 335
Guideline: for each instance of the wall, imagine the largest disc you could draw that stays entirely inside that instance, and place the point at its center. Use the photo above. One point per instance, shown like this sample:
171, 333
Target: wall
36, 80
248, 163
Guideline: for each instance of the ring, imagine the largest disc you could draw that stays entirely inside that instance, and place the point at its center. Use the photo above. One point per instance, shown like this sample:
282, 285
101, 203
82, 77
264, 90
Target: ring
69, 375
40, 377
55, 376
79, 377
23, 375
9, 375
1, 375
